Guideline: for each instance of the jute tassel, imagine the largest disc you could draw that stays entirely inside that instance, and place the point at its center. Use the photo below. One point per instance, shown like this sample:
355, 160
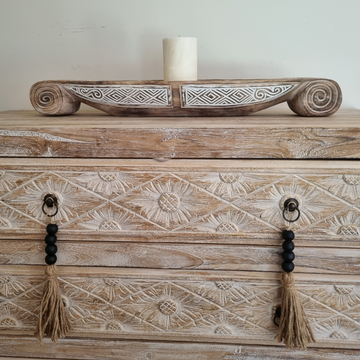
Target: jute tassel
294, 327
53, 320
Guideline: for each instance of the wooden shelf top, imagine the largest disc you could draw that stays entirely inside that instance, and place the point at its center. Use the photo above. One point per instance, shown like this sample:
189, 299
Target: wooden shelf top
274, 133
280, 118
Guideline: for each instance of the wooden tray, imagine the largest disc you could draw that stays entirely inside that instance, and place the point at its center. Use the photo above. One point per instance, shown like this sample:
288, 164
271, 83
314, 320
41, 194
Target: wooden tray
305, 96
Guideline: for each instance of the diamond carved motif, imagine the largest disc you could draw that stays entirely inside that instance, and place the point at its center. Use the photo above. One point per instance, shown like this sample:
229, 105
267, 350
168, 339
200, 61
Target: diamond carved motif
125, 95
107, 183
161, 305
112, 218
346, 186
170, 202
73, 201
315, 203
223, 202
230, 185
231, 220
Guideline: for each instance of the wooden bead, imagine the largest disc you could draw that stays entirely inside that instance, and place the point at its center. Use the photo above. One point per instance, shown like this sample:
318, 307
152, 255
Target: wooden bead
50, 239
288, 246
288, 235
51, 249
288, 266
52, 229
288, 256
50, 259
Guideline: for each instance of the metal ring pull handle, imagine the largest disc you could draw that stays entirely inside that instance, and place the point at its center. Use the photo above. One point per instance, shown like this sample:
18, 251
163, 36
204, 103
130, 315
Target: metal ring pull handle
277, 315
291, 205
50, 201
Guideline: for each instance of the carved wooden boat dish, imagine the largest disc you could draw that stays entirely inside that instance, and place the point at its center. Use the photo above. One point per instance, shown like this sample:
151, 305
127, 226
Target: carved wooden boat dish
305, 96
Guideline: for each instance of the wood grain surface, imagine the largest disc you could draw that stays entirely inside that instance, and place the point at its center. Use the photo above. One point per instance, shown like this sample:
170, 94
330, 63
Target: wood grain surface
92, 349
305, 96
316, 260
272, 134
181, 305
187, 201
180, 258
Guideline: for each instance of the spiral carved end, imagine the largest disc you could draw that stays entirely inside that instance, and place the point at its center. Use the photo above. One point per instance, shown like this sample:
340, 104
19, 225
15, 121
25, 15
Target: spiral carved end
52, 99
318, 98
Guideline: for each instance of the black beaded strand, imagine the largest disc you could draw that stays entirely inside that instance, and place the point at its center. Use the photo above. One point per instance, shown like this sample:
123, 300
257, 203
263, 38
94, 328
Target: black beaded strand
51, 247
288, 246
53, 320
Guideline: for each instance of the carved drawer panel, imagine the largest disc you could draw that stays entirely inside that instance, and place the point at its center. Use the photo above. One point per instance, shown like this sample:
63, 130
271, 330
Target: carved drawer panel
187, 201
181, 250
162, 305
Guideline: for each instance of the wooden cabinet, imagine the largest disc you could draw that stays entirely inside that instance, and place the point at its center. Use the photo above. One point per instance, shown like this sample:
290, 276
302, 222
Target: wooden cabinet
170, 233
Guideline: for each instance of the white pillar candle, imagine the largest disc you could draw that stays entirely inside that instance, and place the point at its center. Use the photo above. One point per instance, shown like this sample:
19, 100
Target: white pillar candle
180, 59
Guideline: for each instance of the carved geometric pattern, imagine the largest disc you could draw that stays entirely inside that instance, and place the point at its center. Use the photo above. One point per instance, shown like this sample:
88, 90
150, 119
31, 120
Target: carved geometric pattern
169, 202
160, 305
124, 95
245, 203
72, 201
353, 180
350, 229
223, 96
346, 186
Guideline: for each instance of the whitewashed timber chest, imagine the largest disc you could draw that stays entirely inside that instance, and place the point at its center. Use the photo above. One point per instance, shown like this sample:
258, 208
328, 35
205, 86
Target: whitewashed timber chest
170, 233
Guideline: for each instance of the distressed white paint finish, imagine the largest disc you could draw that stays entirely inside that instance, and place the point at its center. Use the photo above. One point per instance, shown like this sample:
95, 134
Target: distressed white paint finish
94, 349
335, 137
124, 95
133, 254
19, 133
223, 201
164, 199
305, 96
231, 95
319, 97
212, 306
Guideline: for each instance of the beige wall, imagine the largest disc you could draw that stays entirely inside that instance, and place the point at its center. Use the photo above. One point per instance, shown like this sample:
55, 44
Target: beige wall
122, 39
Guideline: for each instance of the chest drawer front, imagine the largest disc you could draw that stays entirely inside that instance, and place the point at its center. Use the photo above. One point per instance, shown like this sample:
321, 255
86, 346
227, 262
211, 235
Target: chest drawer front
169, 305
182, 200
183, 250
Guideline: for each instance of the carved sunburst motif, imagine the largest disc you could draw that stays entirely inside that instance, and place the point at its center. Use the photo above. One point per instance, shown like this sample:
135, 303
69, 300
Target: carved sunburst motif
34, 195
226, 291
337, 329
82, 308
230, 222
168, 204
112, 289
231, 184
307, 196
7, 320
9, 219
347, 185
116, 320
10, 286
347, 225
108, 220
113, 325
106, 182
224, 324
8, 180
169, 310
339, 297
